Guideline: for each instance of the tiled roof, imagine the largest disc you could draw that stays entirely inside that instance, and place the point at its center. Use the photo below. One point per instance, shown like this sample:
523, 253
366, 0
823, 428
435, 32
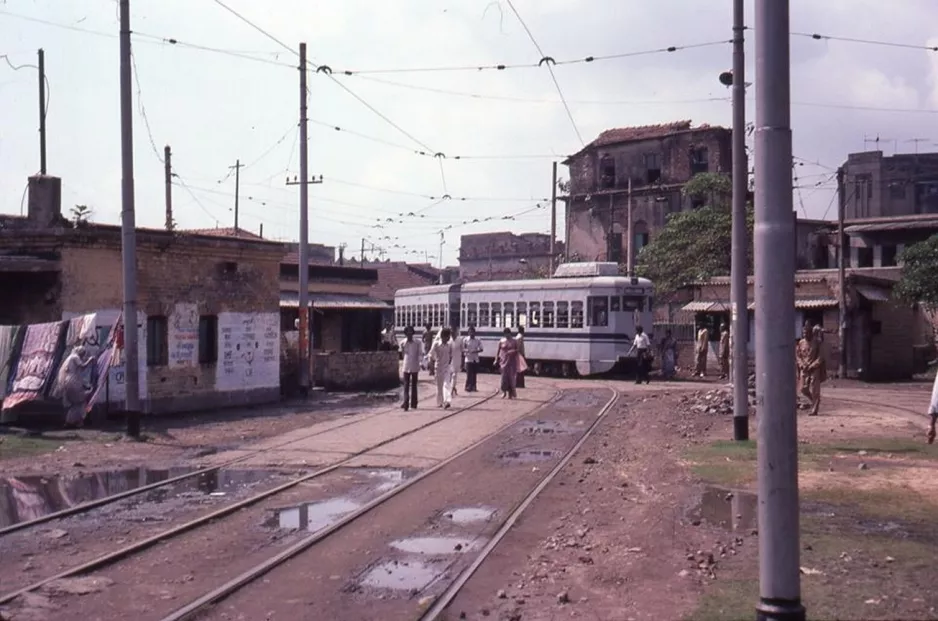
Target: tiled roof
224, 232
617, 135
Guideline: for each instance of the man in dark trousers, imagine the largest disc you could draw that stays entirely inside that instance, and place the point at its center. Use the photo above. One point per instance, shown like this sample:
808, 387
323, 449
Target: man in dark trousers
471, 348
412, 352
519, 383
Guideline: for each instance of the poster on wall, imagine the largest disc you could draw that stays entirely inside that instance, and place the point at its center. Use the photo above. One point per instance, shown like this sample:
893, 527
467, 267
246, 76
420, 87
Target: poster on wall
248, 351
183, 336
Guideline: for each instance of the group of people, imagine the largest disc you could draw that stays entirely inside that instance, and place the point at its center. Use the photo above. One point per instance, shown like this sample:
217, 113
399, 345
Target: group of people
702, 349
445, 354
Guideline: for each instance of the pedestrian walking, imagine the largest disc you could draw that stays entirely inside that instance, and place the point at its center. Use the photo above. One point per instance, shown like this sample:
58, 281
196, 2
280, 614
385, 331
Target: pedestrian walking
457, 358
812, 370
933, 410
702, 349
668, 350
642, 347
724, 351
413, 353
511, 363
520, 341
427, 346
442, 356
472, 347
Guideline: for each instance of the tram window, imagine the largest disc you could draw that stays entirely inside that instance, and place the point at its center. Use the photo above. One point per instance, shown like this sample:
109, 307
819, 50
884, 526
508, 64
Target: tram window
563, 314
496, 315
615, 304
454, 323
484, 314
576, 314
598, 310
535, 317
472, 314
632, 303
462, 316
509, 315
522, 314
548, 319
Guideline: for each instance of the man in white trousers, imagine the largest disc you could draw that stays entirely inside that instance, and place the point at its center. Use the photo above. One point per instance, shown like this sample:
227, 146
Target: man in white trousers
457, 358
443, 355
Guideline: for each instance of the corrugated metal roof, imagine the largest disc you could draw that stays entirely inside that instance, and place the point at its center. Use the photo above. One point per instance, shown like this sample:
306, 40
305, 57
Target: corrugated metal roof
705, 306
873, 294
896, 225
807, 304
290, 299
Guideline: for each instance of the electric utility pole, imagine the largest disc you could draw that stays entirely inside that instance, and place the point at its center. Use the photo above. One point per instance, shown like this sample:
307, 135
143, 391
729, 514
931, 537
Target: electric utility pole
629, 261
128, 229
303, 297
168, 181
553, 219
739, 287
779, 547
843, 257
42, 112
237, 168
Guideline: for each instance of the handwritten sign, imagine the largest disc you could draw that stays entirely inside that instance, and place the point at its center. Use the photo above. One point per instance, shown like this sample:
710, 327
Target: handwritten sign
249, 351
184, 336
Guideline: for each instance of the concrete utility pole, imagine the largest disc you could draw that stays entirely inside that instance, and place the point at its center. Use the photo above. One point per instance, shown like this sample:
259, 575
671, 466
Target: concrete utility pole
739, 287
237, 168
362, 256
779, 547
303, 298
553, 218
168, 181
128, 229
42, 112
843, 257
442, 241
629, 262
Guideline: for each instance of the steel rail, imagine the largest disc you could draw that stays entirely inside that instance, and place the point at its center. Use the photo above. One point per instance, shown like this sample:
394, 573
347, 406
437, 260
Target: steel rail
112, 557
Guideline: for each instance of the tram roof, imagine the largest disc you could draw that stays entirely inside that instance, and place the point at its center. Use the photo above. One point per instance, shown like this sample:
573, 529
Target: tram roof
430, 290
557, 283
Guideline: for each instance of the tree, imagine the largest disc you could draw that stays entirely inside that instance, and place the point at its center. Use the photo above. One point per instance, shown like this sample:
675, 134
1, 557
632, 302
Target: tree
80, 215
694, 245
918, 280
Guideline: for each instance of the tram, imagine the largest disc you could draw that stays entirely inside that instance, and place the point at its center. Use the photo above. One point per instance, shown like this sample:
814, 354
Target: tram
579, 323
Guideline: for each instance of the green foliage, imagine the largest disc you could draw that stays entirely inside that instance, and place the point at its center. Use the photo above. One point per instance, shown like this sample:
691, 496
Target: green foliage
80, 214
694, 245
918, 283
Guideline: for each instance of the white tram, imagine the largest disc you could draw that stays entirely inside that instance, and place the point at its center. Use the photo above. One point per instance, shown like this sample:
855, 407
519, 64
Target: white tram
581, 322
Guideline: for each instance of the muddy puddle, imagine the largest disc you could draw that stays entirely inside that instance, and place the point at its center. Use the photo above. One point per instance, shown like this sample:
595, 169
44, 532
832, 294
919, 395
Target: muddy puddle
408, 575
528, 455
548, 427
469, 515
435, 546
729, 509
29, 497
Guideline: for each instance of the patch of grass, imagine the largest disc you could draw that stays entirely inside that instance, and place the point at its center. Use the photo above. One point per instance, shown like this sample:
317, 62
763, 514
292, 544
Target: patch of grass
855, 567
22, 446
896, 503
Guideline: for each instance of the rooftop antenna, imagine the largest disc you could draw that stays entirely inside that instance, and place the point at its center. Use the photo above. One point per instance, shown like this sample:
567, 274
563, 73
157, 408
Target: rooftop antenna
915, 141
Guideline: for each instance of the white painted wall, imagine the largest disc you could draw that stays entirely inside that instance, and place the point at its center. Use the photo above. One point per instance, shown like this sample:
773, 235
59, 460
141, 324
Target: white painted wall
248, 351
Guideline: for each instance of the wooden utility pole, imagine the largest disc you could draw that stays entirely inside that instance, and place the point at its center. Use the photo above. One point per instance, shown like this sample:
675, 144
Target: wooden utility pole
168, 181
237, 168
628, 229
553, 218
42, 112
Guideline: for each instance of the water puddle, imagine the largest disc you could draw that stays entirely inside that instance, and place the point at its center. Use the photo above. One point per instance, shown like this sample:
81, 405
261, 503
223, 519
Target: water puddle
389, 479
435, 546
527, 456
730, 509
315, 516
29, 497
469, 515
403, 575
547, 427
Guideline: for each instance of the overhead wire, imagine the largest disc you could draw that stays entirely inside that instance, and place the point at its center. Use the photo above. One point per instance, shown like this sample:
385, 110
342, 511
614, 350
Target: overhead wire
48, 87
142, 109
548, 62
822, 37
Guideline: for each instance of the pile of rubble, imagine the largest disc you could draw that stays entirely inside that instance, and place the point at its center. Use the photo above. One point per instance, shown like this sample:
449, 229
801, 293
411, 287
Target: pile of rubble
718, 401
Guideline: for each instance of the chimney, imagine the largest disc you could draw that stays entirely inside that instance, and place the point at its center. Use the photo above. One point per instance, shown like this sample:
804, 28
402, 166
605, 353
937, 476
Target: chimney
45, 200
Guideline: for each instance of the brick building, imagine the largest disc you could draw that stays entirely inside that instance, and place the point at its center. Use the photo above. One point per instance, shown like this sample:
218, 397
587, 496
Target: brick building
208, 305
658, 160
506, 256
878, 242
884, 340
877, 186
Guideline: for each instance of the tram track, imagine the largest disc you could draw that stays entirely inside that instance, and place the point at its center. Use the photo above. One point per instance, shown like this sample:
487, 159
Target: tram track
107, 500
204, 603
128, 551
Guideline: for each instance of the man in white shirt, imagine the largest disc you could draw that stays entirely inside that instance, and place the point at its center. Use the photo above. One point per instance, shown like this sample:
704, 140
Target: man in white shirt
443, 358
472, 347
457, 358
413, 353
933, 411
641, 345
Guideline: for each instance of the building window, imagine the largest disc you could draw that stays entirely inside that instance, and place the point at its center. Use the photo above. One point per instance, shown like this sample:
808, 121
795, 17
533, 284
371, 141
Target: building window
888, 256
614, 251
607, 172
699, 160
652, 167
157, 341
864, 257
208, 339
897, 190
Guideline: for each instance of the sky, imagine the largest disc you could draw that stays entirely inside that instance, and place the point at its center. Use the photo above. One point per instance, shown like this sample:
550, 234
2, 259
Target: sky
226, 92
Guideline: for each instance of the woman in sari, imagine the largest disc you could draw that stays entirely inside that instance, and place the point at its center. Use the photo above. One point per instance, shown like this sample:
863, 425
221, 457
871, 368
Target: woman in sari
74, 393
511, 363
668, 348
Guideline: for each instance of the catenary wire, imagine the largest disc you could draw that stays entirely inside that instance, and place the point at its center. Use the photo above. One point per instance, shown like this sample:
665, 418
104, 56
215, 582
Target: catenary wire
143, 110
822, 37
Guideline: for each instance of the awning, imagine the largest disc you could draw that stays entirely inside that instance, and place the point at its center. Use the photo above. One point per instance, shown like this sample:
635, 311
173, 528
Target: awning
808, 304
336, 301
873, 294
703, 306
